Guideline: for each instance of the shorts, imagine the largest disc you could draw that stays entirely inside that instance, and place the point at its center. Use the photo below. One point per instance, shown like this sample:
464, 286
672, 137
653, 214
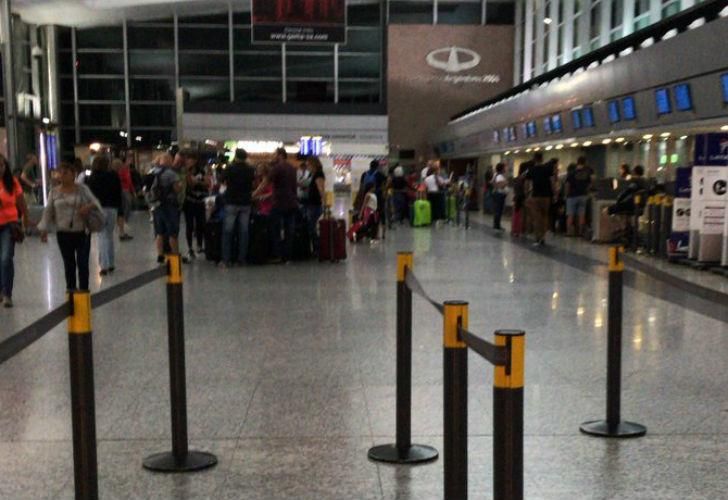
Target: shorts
166, 221
576, 205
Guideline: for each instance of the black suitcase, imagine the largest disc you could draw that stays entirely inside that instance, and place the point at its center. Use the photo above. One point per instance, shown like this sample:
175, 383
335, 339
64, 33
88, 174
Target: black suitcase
213, 240
301, 239
259, 240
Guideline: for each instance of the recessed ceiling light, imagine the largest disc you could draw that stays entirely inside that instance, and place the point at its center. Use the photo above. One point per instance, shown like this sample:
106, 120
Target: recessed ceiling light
665, 134
560, 146
538, 148
516, 151
574, 144
647, 137
547, 20
586, 144
724, 127
683, 137
549, 148
606, 141
529, 150
507, 153
619, 139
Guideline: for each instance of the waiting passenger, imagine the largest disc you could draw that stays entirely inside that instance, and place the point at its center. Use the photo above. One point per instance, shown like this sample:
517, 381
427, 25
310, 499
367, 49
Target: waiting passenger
198, 187
106, 186
165, 193
624, 172
500, 191
12, 209
543, 178
285, 206
238, 178
315, 199
576, 190
69, 205
128, 193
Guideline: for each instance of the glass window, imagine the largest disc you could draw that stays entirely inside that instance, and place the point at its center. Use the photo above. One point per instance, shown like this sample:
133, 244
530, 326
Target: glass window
359, 66
106, 136
221, 18
362, 40
154, 63
68, 116
65, 63
616, 13
103, 115
595, 21
151, 90
106, 37
68, 138
153, 116
101, 64
575, 32
321, 67
101, 90
410, 12
204, 64
261, 64
66, 88
298, 91
641, 7
64, 38
206, 90
364, 14
242, 18
257, 91
670, 7
359, 92
459, 12
152, 137
146, 37
500, 12
203, 38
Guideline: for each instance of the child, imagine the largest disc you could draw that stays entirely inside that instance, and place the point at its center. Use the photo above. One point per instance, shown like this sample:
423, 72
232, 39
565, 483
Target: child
368, 221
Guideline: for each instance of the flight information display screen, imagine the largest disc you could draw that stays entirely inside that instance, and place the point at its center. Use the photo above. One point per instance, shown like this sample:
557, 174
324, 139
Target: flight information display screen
613, 110
587, 116
662, 101
556, 127
547, 125
629, 110
576, 119
724, 84
683, 99
532, 129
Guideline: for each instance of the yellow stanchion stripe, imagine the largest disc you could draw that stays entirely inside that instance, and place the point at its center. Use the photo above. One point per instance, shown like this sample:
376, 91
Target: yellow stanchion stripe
175, 269
452, 312
615, 259
80, 322
404, 260
516, 378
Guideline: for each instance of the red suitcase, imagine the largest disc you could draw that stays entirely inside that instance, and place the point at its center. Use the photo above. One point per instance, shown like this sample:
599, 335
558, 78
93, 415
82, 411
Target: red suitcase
332, 239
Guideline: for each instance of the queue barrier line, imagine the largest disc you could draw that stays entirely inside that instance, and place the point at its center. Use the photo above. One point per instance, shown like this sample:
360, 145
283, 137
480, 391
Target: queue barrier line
35, 331
496, 355
414, 285
117, 291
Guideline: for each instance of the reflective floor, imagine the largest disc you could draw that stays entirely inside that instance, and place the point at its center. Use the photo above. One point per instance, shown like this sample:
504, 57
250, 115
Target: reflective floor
291, 377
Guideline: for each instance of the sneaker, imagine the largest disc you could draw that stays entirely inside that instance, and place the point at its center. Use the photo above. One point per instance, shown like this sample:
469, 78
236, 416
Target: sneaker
160, 259
191, 255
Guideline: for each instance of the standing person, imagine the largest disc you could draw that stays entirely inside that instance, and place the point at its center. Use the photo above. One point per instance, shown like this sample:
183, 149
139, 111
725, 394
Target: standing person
12, 209
576, 190
316, 196
624, 172
500, 191
68, 206
285, 206
128, 193
165, 192
238, 179
106, 187
198, 188
29, 178
433, 183
542, 177
303, 181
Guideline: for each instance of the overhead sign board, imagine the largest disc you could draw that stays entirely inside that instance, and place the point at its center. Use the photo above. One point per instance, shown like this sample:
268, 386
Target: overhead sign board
299, 21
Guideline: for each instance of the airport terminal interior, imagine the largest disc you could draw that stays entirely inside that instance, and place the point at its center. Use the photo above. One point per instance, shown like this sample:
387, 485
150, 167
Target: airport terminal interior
364, 249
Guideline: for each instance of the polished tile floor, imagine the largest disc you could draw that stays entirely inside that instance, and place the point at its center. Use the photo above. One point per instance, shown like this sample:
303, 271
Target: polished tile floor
291, 377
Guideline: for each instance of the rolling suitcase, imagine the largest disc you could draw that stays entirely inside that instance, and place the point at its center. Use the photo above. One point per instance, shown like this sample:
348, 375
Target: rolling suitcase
301, 240
423, 213
259, 241
452, 207
213, 240
332, 239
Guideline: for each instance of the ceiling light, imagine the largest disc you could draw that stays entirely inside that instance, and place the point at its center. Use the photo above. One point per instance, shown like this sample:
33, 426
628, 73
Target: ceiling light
683, 137
507, 153
549, 148
138, 138
647, 137
516, 151
94, 146
529, 150
586, 144
665, 134
547, 20
560, 146
46, 120
537, 149
607, 141
724, 127
619, 139
574, 144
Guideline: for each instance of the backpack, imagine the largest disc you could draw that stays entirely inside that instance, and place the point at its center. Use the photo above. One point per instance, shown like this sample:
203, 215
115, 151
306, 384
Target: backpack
163, 195
370, 178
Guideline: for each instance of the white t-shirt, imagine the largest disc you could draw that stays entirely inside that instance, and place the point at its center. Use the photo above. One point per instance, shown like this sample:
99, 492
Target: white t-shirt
371, 201
432, 184
423, 173
497, 179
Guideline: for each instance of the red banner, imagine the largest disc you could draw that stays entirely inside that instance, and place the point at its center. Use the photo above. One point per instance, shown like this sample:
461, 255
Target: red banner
305, 21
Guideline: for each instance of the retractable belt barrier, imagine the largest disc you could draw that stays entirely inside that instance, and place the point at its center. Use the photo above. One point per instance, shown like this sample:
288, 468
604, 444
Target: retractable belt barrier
78, 309
507, 356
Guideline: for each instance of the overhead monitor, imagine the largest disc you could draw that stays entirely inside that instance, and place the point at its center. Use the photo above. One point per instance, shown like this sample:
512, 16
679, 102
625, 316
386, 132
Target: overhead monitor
556, 127
547, 125
532, 131
613, 111
496, 136
683, 99
724, 85
629, 110
524, 130
662, 102
587, 117
576, 119
512, 133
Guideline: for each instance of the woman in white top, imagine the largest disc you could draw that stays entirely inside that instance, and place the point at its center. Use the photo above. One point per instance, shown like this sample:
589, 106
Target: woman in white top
500, 191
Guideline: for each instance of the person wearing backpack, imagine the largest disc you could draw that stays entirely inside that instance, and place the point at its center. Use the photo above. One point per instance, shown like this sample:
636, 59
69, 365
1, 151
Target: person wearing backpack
165, 193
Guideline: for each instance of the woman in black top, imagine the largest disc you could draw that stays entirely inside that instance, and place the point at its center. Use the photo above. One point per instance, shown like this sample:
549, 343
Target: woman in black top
194, 206
106, 186
316, 196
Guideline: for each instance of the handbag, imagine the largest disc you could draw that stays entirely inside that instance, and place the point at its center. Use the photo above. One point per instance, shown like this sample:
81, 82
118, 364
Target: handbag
95, 220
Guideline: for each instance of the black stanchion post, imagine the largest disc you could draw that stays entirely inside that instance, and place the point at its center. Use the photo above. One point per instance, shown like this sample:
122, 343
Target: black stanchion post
83, 410
508, 417
180, 459
613, 426
403, 451
455, 397
468, 194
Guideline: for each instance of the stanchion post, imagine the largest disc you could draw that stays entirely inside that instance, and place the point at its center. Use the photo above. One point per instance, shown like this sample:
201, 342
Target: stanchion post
180, 459
403, 451
455, 398
508, 417
613, 426
83, 409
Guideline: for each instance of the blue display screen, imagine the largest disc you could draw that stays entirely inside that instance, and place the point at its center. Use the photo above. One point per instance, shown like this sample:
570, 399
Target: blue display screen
576, 119
524, 130
496, 136
613, 109
547, 125
512, 133
662, 101
724, 84
683, 99
531, 129
628, 109
587, 116
504, 135
556, 127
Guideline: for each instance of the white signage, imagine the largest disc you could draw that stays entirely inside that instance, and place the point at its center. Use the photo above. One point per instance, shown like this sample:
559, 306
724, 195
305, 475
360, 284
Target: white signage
454, 61
681, 215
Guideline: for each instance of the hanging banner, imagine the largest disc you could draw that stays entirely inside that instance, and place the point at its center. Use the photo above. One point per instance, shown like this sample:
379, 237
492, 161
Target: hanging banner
302, 21
680, 235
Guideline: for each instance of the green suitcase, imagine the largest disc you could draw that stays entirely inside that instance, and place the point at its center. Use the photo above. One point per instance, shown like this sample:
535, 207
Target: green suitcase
452, 208
423, 213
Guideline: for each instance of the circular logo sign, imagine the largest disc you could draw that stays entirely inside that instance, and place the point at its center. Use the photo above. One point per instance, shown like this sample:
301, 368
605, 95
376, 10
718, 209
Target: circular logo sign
453, 59
719, 187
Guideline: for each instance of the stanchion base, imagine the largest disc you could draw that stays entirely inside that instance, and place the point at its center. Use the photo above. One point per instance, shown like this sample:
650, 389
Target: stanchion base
601, 428
416, 453
166, 462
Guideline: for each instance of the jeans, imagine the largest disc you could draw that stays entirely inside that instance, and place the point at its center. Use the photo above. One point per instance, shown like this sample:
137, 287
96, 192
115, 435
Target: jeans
499, 203
283, 220
7, 251
75, 248
235, 215
313, 212
195, 223
106, 239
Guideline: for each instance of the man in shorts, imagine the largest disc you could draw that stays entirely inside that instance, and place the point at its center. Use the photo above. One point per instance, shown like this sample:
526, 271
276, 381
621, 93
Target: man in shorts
578, 184
167, 186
